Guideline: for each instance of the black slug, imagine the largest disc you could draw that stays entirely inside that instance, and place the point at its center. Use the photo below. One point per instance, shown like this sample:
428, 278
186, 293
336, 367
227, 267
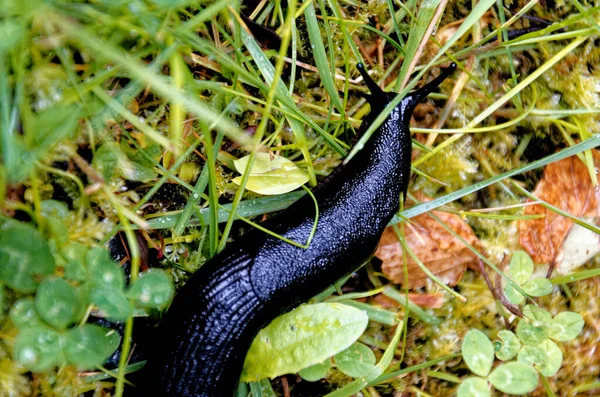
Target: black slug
207, 331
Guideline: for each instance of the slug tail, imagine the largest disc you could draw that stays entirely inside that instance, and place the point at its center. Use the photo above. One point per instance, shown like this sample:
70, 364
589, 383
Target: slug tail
413, 99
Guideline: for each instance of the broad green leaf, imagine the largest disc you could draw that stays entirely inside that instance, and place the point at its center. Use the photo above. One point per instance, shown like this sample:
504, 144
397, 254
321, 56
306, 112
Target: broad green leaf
153, 289
25, 256
478, 352
530, 334
303, 337
38, 349
23, 314
566, 326
356, 361
88, 346
57, 302
514, 378
111, 302
315, 372
271, 174
509, 347
521, 267
538, 287
473, 387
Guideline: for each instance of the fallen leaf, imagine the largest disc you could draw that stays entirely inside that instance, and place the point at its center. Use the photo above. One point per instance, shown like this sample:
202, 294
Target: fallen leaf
270, 174
566, 184
443, 254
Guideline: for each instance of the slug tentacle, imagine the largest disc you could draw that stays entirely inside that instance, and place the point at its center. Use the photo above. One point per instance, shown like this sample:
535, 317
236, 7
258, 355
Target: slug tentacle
415, 97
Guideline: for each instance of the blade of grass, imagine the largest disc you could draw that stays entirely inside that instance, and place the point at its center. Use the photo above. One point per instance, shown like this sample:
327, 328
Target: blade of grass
419, 209
320, 55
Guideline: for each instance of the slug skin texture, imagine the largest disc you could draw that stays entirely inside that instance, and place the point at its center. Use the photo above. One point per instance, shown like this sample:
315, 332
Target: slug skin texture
206, 333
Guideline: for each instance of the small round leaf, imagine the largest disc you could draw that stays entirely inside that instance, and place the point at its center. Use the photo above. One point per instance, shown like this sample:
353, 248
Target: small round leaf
23, 314
509, 347
57, 303
89, 346
566, 326
473, 387
270, 174
521, 267
38, 349
514, 378
554, 358
478, 352
513, 295
24, 255
356, 361
153, 289
315, 372
530, 334
533, 355
538, 287
111, 302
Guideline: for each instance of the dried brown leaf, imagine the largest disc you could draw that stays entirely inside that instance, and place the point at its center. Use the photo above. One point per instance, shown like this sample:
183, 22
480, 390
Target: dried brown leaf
443, 254
566, 184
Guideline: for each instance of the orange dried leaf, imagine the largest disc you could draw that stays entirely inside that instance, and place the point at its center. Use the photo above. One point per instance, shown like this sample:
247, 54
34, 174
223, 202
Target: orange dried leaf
443, 254
566, 184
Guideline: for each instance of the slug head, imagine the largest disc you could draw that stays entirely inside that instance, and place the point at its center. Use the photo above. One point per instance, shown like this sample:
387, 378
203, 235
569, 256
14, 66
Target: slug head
379, 98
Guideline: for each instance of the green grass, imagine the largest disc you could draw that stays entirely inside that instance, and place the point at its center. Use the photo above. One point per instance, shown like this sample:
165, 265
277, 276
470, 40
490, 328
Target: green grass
163, 83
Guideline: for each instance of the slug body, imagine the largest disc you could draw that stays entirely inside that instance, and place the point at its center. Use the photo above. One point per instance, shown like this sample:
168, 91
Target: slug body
212, 322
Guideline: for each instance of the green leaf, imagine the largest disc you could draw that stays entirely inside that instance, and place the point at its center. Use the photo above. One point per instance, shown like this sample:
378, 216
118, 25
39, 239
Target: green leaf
89, 346
56, 213
57, 302
513, 295
23, 314
103, 272
38, 349
110, 161
538, 287
12, 33
530, 334
533, 355
74, 256
521, 267
514, 378
538, 316
554, 358
478, 352
25, 256
509, 347
356, 361
315, 372
270, 174
566, 326
153, 289
303, 337
111, 302
473, 387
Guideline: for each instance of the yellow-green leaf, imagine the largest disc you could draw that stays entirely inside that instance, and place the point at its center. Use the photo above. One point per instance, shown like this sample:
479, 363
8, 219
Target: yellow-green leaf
301, 338
271, 174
